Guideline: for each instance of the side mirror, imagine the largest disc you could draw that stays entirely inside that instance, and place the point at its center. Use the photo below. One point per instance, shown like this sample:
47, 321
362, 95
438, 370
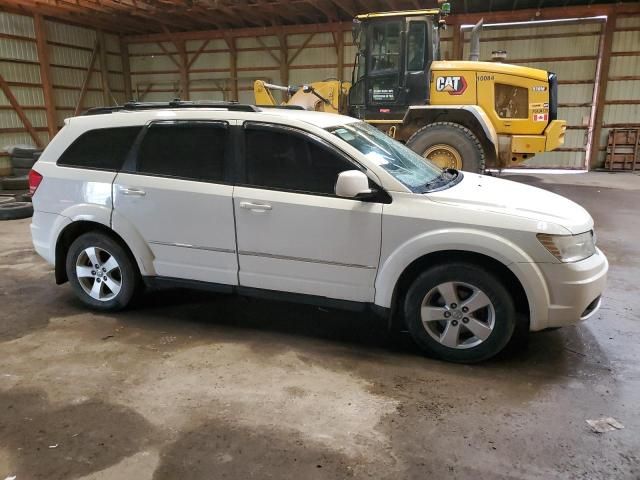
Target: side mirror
353, 184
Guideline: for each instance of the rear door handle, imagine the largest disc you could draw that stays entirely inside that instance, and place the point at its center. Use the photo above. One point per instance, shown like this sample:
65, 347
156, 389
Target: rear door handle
132, 191
255, 207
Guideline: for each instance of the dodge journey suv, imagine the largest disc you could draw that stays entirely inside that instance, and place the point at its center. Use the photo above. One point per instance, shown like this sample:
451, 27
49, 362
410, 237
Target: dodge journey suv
310, 207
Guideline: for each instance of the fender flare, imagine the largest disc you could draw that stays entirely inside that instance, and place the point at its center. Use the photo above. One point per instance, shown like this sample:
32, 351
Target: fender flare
473, 241
103, 215
136, 243
474, 111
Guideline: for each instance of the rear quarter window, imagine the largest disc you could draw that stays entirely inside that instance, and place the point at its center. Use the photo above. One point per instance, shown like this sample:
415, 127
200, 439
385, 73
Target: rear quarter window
102, 149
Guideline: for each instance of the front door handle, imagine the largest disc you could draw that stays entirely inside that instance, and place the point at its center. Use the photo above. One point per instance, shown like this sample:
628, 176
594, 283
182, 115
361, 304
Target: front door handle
255, 207
132, 191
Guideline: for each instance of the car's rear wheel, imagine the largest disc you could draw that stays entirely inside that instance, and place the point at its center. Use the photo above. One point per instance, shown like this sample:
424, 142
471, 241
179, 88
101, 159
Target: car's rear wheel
101, 272
460, 312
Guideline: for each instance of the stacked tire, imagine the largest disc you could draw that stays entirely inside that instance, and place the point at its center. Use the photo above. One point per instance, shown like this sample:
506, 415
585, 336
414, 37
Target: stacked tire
17, 206
22, 160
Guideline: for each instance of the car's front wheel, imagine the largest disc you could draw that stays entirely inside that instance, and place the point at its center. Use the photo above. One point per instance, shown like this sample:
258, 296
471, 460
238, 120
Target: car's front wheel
460, 312
101, 272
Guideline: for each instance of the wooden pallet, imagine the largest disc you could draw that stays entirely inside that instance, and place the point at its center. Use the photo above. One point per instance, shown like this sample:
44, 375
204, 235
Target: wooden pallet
623, 148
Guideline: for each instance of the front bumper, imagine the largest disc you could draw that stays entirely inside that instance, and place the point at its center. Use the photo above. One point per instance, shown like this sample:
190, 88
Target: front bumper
575, 289
515, 149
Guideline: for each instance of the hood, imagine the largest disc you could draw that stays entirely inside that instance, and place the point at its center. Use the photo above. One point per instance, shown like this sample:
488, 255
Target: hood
492, 194
491, 67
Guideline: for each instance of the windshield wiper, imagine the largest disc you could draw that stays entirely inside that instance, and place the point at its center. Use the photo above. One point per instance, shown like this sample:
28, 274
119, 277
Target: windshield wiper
446, 176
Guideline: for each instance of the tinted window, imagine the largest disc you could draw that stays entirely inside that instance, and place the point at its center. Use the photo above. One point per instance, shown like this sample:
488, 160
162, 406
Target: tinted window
290, 162
187, 150
416, 44
105, 148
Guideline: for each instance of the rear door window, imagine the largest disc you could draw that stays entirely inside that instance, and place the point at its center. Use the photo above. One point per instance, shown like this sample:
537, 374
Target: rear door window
188, 150
101, 149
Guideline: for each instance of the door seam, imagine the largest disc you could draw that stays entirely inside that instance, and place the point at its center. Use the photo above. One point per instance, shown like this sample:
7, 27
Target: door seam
235, 232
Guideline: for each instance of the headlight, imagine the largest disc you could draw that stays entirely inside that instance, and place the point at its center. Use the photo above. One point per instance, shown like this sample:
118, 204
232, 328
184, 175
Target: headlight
569, 248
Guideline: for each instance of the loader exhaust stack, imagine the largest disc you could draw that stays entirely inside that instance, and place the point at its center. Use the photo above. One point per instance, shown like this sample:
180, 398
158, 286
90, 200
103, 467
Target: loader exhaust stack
474, 43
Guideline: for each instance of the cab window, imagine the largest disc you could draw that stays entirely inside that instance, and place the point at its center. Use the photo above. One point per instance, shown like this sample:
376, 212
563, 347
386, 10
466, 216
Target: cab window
385, 47
416, 46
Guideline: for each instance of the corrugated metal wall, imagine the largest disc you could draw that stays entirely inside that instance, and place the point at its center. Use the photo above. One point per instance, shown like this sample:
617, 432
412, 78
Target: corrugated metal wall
569, 50
19, 68
70, 49
622, 103
155, 74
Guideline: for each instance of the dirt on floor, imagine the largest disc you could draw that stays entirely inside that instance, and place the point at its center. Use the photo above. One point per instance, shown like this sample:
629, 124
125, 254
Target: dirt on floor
202, 386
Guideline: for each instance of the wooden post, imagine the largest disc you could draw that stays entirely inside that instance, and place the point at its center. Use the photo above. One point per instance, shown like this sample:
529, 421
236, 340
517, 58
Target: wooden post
19, 111
45, 75
600, 91
284, 59
233, 65
340, 52
126, 69
87, 78
106, 90
184, 69
457, 49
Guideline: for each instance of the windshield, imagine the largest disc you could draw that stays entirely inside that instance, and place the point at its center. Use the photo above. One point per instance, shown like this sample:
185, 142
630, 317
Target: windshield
404, 164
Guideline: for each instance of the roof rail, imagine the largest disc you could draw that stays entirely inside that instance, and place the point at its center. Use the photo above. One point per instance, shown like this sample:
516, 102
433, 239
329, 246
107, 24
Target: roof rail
282, 107
136, 106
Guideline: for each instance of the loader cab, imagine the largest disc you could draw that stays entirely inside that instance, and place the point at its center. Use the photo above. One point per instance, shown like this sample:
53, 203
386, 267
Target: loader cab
391, 71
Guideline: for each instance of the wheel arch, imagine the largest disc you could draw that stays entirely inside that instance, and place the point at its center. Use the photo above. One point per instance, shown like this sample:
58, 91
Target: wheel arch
522, 276
74, 230
440, 257
469, 116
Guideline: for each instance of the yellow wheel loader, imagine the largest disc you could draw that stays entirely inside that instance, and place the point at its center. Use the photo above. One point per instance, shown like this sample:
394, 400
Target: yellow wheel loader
468, 115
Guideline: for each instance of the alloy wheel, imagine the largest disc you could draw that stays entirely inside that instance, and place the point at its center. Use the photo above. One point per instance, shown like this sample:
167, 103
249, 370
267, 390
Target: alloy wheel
99, 274
458, 315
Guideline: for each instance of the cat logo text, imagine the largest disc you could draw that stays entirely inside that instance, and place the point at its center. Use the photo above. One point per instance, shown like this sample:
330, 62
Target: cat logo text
452, 85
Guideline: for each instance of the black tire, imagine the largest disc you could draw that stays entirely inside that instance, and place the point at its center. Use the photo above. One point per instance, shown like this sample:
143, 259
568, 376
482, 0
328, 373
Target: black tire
22, 162
128, 273
24, 151
21, 172
467, 273
15, 183
455, 135
15, 210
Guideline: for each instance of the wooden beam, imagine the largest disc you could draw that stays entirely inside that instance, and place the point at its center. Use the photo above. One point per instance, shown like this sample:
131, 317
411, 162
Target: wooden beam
204, 45
284, 59
184, 70
20, 112
457, 50
87, 78
302, 47
169, 54
126, 69
238, 32
345, 6
45, 74
600, 91
268, 50
233, 66
104, 70
338, 36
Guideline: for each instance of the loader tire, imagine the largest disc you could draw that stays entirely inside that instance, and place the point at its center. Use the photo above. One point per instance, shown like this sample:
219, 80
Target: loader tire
449, 145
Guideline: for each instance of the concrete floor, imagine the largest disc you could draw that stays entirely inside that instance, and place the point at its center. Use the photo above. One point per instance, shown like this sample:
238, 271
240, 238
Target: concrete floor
193, 385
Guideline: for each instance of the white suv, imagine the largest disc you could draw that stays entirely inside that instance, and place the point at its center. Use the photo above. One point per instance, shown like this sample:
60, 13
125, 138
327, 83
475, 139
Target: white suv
308, 206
